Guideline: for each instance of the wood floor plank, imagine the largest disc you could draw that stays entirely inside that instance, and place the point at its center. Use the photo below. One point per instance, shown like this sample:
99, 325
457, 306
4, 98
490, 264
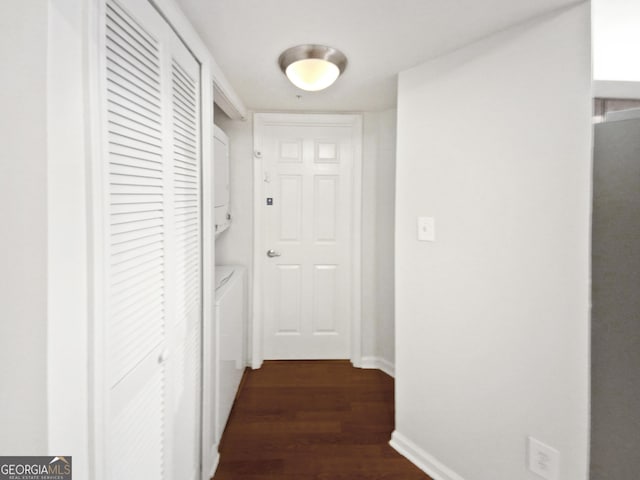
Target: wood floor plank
313, 420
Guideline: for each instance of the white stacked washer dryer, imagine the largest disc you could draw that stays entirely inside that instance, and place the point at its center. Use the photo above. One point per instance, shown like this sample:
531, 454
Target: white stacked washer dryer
231, 340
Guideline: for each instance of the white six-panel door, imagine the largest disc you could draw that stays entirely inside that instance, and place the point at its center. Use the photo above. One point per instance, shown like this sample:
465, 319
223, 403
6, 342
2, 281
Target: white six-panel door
306, 214
152, 225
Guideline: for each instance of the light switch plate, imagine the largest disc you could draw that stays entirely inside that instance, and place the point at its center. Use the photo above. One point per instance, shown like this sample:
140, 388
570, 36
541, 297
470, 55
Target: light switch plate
426, 229
543, 460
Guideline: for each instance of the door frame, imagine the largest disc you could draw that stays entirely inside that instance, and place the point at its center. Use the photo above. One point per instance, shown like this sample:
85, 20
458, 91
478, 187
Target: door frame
261, 120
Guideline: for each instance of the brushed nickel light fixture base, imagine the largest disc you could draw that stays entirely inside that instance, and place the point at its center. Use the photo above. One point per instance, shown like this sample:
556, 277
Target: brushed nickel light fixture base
312, 67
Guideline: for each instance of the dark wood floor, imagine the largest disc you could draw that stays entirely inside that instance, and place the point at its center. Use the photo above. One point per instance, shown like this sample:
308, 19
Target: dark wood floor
313, 420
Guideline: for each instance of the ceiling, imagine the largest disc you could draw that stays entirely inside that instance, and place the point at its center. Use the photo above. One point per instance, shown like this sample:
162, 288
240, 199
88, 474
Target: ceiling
379, 37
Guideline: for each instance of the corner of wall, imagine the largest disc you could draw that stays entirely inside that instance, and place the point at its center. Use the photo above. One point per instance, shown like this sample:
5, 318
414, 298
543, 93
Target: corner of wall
378, 363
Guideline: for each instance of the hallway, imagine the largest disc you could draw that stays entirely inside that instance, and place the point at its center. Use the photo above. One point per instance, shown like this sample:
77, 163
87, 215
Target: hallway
313, 420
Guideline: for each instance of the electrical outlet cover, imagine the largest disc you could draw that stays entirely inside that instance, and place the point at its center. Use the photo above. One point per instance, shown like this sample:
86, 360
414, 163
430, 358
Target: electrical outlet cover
543, 459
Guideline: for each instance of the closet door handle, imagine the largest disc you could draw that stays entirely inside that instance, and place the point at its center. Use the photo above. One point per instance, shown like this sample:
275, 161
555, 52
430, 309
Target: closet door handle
272, 253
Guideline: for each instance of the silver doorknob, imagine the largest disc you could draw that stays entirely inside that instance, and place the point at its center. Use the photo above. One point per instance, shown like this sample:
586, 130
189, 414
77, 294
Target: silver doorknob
272, 253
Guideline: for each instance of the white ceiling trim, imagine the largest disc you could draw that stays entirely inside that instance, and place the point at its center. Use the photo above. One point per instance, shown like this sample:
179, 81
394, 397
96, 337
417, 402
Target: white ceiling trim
226, 97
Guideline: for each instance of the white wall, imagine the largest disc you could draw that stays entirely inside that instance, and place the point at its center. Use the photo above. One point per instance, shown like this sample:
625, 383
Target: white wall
43, 364
370, 125
378, 217
385, 237
492, 320
23, 241
235, 246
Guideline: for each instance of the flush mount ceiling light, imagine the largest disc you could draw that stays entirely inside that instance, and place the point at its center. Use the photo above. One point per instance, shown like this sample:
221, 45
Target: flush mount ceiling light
312, 67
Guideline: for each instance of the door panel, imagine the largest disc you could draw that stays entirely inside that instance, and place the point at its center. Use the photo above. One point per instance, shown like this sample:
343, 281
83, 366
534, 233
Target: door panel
153, 252
325, 216
288, 312
136, 441
136, 323
325, 284
290, 151
326, 152
307, 291
185, 187
290, 209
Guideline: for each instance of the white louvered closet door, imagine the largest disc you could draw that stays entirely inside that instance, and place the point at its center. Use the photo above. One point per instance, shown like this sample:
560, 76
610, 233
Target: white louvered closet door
185, 324
152, 248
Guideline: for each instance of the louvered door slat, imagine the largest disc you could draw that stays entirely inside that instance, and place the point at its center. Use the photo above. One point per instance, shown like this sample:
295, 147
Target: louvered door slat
141, 155
121, 107
133, 292
188, 140
134, 167
183, 94
123, 180
186, 83
124, 97
120, 40
133, 188
136, 226
187, 213
152, 181
127, 82
130, 139
124, 240
129, 29
148, 255
129, 128
183, 115
185, 146
137, 436
184, 176
132, 76
124, 120
128, 135
129, 61
125, 217
182, 161
182, 168
187, 216
138, 263
133, 245
122, 56
123, 289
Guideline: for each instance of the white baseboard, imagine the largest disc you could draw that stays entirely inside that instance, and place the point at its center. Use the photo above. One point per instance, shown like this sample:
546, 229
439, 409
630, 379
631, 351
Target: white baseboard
214, 464
378, 363
421, 459
255, 365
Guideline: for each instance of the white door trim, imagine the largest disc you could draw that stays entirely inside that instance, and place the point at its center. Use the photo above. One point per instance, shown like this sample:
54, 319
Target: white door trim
259, 247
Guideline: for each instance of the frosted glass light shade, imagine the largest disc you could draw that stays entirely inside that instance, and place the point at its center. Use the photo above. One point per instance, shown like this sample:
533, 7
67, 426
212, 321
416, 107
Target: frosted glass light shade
312, 74
312, 67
